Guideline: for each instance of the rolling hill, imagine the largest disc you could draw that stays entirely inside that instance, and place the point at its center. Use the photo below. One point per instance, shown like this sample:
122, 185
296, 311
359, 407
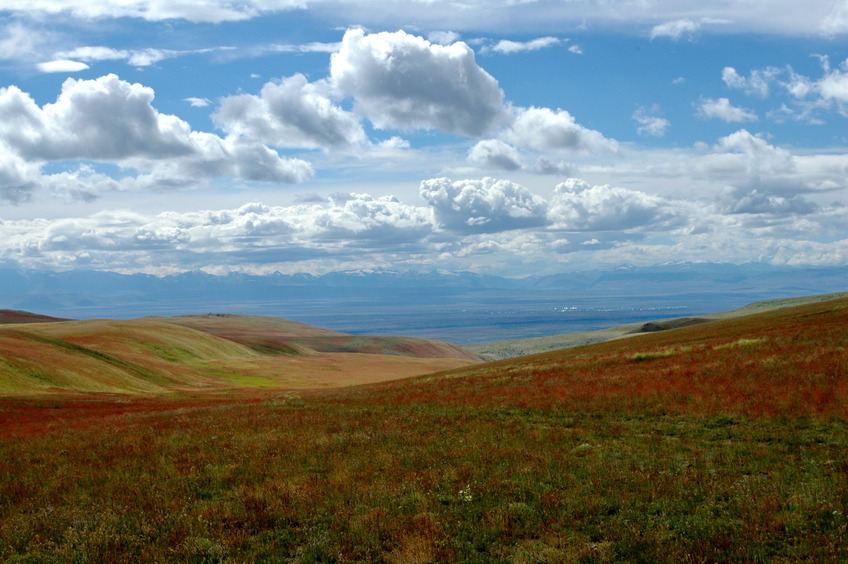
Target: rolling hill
723, 441
196, 353
18, 316
280, 336
780, 359
522, 347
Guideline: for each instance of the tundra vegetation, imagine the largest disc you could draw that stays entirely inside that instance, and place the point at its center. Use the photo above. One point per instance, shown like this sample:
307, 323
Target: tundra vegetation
717, 442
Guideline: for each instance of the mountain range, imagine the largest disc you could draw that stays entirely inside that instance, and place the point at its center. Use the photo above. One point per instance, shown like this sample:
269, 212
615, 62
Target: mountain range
462, 307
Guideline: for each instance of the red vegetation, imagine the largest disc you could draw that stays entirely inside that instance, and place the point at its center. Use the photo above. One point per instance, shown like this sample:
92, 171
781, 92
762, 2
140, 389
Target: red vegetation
790, 362
785, 363
24, 417
10, 316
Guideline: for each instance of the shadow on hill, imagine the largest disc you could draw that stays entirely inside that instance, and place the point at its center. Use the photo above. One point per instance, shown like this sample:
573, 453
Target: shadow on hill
665, 325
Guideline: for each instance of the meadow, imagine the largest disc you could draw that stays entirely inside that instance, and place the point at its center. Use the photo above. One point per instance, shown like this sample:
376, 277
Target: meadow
719, 442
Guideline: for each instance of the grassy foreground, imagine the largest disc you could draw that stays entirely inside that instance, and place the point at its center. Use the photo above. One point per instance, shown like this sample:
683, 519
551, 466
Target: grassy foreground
724, 442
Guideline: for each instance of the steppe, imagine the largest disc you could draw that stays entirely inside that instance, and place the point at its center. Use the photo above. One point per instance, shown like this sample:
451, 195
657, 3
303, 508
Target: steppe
248, 439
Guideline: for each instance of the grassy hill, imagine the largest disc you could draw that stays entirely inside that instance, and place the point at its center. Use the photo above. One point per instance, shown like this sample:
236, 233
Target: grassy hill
724, 441
156, 355
280, 336
18, 316
523, 347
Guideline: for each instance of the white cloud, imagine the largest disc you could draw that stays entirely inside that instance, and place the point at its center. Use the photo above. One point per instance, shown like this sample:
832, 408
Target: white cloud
17, 177
811, 96
675, 29
483, 206
757, 83
761, 156
400, 81
443, 37
834, 85
493, 153
311, 47
102, 119
650, 123
741, 201
213, 11
134, 57
776, 16
748, 162
576, 49
198, 102
110, 120
62, 65
22, 42
836, 22
578, 206
290, 113
507, 47
250, 236
722, 109
557, 168
547, 130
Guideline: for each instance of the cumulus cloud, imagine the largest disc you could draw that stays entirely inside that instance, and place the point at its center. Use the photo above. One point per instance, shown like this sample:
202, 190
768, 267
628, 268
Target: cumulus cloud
111, 120
17, 178
250, 236
742, 201
811, 95
493, 153
722, 109
748, 162
756, 83
290, 113
548, 130
483, 206
760, 156
744, 163
401, 81
579, 206
834, 85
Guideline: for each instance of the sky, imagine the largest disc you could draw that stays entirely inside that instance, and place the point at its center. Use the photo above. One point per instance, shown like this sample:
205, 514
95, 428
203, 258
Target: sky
507, 137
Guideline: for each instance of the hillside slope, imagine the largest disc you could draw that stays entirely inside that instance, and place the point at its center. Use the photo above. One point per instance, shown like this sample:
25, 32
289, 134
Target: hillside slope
156, 355
280, 336
13, 316
786, 361
522, 347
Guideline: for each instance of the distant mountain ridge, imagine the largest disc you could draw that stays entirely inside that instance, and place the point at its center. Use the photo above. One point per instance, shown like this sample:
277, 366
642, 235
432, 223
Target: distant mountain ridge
418, 303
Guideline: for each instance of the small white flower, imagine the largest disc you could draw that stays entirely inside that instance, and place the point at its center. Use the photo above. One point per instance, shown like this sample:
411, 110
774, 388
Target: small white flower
465, 494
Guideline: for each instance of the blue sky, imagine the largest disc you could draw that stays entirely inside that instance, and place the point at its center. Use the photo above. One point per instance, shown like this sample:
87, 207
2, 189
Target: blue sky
502, 137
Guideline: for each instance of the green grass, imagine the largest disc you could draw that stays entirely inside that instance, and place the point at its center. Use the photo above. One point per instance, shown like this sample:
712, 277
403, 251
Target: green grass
326, 480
